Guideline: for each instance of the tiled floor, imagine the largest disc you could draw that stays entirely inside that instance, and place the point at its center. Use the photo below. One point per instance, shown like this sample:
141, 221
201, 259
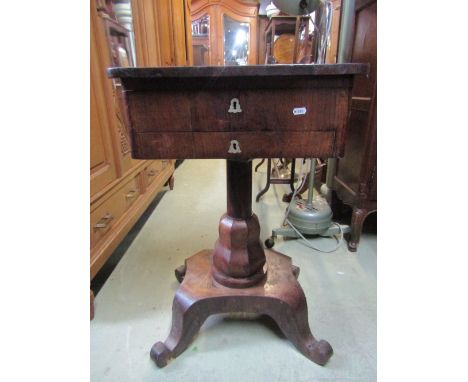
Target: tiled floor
133, 308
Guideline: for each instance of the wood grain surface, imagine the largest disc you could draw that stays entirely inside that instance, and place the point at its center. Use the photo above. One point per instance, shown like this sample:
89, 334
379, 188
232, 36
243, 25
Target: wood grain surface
284, 110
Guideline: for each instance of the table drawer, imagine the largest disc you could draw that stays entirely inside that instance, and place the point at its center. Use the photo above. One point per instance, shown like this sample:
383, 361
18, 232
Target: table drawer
107, 214
227, 111
240, 145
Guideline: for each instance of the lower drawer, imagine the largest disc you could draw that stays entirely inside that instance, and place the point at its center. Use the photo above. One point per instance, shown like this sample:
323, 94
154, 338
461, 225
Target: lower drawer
107, 214
235, 145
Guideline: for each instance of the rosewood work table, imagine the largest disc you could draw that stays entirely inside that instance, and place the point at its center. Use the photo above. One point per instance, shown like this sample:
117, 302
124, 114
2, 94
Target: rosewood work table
238, 113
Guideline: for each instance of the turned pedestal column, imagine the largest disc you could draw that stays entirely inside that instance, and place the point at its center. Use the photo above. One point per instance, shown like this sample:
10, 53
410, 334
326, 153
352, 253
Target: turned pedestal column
238, 257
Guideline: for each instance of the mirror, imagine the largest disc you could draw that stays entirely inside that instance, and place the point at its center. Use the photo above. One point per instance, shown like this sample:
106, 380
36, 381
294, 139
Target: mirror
236, 42
201, 41
123, 13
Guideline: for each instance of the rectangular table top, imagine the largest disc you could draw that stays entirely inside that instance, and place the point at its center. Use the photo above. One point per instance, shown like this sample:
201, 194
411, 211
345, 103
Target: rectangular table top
230, 76
290, 70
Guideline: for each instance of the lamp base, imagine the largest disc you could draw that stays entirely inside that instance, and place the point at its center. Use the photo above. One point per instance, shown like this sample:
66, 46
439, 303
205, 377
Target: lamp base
308, 220
312, 219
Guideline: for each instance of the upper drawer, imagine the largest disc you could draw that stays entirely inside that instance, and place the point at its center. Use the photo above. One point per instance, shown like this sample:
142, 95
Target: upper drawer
227, 111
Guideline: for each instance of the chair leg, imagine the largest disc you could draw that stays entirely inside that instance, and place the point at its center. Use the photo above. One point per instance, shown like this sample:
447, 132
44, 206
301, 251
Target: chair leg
258, 165
293, 173
259, 195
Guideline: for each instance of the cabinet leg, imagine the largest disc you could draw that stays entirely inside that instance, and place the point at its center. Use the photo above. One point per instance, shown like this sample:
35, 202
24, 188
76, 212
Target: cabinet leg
171, 182
91, 304
357, 220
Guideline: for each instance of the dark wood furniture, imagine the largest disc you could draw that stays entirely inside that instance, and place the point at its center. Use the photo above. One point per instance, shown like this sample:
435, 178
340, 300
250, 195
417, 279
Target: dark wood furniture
185, 113
355, 183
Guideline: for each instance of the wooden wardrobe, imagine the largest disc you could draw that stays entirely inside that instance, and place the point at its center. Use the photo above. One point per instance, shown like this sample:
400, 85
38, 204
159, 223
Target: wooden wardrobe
209, 39
121, 187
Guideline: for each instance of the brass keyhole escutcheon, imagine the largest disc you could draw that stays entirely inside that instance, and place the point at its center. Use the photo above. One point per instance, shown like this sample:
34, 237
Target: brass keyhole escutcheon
234, 106
234, 147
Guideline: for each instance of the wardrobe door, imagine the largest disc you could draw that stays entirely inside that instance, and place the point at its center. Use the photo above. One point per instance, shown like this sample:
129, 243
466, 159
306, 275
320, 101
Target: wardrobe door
237, 44
102, 157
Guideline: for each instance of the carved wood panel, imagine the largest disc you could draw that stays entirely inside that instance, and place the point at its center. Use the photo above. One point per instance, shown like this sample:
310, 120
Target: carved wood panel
103, 164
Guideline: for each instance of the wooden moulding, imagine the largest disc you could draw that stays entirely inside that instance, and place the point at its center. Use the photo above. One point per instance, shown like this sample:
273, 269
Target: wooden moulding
185, 112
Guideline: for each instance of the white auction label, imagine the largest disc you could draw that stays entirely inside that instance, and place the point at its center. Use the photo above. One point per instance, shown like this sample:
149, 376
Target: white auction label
299, 110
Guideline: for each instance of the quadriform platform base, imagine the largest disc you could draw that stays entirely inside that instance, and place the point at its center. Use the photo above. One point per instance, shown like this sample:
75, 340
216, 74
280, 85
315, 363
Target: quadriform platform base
239, 276
278, 295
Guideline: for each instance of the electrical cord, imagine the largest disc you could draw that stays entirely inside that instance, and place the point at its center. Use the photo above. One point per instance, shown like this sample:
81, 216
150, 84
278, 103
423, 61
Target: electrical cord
286, 220
309, 244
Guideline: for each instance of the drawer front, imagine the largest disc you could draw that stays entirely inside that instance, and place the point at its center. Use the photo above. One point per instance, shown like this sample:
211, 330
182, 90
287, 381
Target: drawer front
152, 171
226, 111
235, 145
104, 217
